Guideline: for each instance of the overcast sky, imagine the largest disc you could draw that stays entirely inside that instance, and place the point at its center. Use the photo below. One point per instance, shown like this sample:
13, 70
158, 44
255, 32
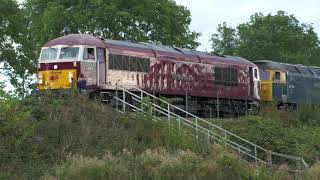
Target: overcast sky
207, 14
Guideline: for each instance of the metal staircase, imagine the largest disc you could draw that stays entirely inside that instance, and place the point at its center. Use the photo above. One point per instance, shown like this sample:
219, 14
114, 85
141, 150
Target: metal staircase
202, 129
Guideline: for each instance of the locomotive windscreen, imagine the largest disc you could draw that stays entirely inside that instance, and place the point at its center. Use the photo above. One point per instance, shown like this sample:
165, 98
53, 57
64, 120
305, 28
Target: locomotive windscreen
49, 54
69, 52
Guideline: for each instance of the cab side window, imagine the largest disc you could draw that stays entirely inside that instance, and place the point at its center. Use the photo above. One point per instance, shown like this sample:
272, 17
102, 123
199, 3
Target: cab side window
276, 76
264, 74
88, 54
256, 73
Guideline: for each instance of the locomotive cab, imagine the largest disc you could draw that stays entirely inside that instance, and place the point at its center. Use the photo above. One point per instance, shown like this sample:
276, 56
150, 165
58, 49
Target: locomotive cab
63, 59
273, 82
60, 66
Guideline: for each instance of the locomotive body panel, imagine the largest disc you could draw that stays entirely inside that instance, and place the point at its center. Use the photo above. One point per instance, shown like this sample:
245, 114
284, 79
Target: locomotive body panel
303, 89
195, 79
89, 70
176, 75
179, 72
57, 75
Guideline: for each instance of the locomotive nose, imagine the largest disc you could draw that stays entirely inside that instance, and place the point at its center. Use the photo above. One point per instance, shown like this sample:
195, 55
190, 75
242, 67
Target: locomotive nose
56, 79
53, 80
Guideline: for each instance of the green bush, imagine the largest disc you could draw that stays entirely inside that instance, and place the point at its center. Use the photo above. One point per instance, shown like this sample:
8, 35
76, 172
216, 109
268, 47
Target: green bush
313, 172
15, 131
155, 164
43, 130
296, 133
76, 138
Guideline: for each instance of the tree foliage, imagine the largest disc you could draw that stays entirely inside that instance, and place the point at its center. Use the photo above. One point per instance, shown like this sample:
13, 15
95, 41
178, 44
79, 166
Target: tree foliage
17, 50
280, 37
225, 41
161, 21
10, 22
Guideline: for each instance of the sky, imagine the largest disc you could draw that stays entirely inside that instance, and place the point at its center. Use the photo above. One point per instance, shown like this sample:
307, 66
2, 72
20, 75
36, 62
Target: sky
207, 14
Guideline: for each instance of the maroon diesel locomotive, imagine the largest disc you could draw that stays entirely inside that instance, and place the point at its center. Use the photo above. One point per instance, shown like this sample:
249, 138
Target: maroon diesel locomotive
198, 81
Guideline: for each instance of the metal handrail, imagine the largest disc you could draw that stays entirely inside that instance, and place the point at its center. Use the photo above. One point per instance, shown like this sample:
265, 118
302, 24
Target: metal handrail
207, 131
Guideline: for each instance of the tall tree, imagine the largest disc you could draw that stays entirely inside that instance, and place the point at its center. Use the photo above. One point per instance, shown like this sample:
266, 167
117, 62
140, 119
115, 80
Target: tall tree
225, 41
10, 25
277, 37
160, 21
280, 37
16, 49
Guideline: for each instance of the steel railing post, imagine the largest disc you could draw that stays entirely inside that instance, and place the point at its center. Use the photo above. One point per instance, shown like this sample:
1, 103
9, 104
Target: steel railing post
168, 114
269, 157
246, 107
300, 170
217, 106
255, 155
197, 128
123, 101
186, 99
117, 98
225, 138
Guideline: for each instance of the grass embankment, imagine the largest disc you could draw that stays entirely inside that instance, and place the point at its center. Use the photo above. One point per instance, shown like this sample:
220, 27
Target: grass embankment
296, 133
71, 137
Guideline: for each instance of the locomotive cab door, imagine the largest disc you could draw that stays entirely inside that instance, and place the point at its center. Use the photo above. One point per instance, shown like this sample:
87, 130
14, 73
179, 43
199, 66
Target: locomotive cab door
89, 66
251, 83
101, 64
256, 83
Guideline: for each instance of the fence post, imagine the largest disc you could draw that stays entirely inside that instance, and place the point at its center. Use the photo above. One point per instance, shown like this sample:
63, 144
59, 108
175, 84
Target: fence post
117, 98
123, 101
208, 137
196, 127
168, 114
218, 104
246, 107
186, 100
225, 138
255, 155
269, 157
299, 169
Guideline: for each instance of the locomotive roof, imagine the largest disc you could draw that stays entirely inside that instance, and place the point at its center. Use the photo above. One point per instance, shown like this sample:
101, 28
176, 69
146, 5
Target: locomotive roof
180, 51
292, 68
83, 39
76, 39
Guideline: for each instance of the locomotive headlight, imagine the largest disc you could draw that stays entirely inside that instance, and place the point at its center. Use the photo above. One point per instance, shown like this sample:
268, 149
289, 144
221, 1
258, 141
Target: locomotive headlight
40, 77
70, 76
